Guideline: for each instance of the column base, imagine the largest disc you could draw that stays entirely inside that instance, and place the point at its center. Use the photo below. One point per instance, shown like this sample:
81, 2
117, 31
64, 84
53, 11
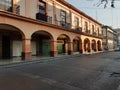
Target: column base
89, 50
99, 49
53, 53
95, 50
26, 55
81, 51
70, 52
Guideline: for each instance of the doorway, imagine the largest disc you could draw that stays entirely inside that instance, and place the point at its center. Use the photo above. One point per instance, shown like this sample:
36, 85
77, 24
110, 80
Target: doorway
6, 47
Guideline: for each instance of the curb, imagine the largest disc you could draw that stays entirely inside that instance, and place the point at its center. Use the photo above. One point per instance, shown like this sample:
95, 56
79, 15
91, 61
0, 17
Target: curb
41, 60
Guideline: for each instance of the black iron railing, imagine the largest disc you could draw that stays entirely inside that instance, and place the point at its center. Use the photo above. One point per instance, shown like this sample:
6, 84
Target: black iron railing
43, 17
63, 24
87, 31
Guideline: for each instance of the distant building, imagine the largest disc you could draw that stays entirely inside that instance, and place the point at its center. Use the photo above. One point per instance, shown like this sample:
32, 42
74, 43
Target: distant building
109, 38
118, 37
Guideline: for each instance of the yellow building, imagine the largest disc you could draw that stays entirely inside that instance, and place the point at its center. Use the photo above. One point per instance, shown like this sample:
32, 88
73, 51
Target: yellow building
46, 28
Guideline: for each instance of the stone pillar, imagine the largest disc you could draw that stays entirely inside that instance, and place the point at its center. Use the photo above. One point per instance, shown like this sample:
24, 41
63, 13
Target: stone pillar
26, 49
53, 48
80, 47
95, 49
70, 48
89, 47
83, 47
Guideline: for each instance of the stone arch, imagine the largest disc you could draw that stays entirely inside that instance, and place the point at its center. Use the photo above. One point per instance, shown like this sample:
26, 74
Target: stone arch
11, 27
99, 45
41, 43
77, 44
43, 32
65, 36
87, 45
93, 45
63, 44
11, 41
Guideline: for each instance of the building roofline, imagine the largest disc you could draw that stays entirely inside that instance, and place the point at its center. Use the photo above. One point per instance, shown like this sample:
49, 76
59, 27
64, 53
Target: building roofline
109, 28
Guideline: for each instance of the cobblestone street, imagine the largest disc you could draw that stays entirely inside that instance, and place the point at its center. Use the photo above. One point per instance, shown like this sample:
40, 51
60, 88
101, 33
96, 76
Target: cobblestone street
85, 72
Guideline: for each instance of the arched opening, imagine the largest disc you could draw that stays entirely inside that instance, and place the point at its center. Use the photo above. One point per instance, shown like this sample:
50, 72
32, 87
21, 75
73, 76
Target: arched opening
87, 45
99, 46
40, 43
77, 45
62, 44
93, 44
10, 41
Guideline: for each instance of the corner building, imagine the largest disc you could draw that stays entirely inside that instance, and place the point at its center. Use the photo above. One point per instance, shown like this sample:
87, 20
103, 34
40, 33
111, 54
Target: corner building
46, 28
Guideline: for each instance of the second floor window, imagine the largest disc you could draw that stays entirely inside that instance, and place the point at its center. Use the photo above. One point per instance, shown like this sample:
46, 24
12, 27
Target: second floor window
42, 7
76, 22
86, 26
98, 31
93, 29
6, 5
63, 17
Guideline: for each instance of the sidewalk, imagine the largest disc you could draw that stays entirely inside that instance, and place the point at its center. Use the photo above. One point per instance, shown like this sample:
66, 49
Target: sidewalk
17, 60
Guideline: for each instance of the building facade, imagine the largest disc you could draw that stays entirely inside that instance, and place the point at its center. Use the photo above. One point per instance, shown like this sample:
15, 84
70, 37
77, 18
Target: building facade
46, 28
109, 38
118, 38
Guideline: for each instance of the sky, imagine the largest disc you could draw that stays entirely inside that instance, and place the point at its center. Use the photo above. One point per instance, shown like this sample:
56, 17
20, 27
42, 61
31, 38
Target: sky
106, 16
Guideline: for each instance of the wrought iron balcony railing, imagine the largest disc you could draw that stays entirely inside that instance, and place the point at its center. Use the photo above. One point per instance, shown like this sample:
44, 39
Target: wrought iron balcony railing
87, 31
63, 24
43, 17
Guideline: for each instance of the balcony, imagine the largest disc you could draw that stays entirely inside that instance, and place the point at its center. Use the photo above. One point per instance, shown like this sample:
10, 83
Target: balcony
87, 31
94, 33
78, 29
43, 17
100, 35
64, 24
10, 9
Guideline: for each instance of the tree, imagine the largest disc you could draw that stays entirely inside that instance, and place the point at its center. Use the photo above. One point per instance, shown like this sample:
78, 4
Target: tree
106, 2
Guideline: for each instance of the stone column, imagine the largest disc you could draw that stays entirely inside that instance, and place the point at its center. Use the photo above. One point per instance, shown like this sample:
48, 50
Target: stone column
80, 47
70, 48
26, 49
89, 47
83, 47
53, 48
95, 49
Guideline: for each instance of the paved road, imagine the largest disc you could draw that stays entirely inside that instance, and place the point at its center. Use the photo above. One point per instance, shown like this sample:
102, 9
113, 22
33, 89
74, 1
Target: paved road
89, 72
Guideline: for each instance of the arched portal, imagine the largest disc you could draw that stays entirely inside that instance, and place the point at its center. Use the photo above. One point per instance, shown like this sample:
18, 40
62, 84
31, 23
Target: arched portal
63, 44
99, 46
41, 43
93, 44
77, 45
10, 41
87, 45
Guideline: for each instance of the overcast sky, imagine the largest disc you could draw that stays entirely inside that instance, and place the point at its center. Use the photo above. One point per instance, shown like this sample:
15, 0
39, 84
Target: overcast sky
108, 16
